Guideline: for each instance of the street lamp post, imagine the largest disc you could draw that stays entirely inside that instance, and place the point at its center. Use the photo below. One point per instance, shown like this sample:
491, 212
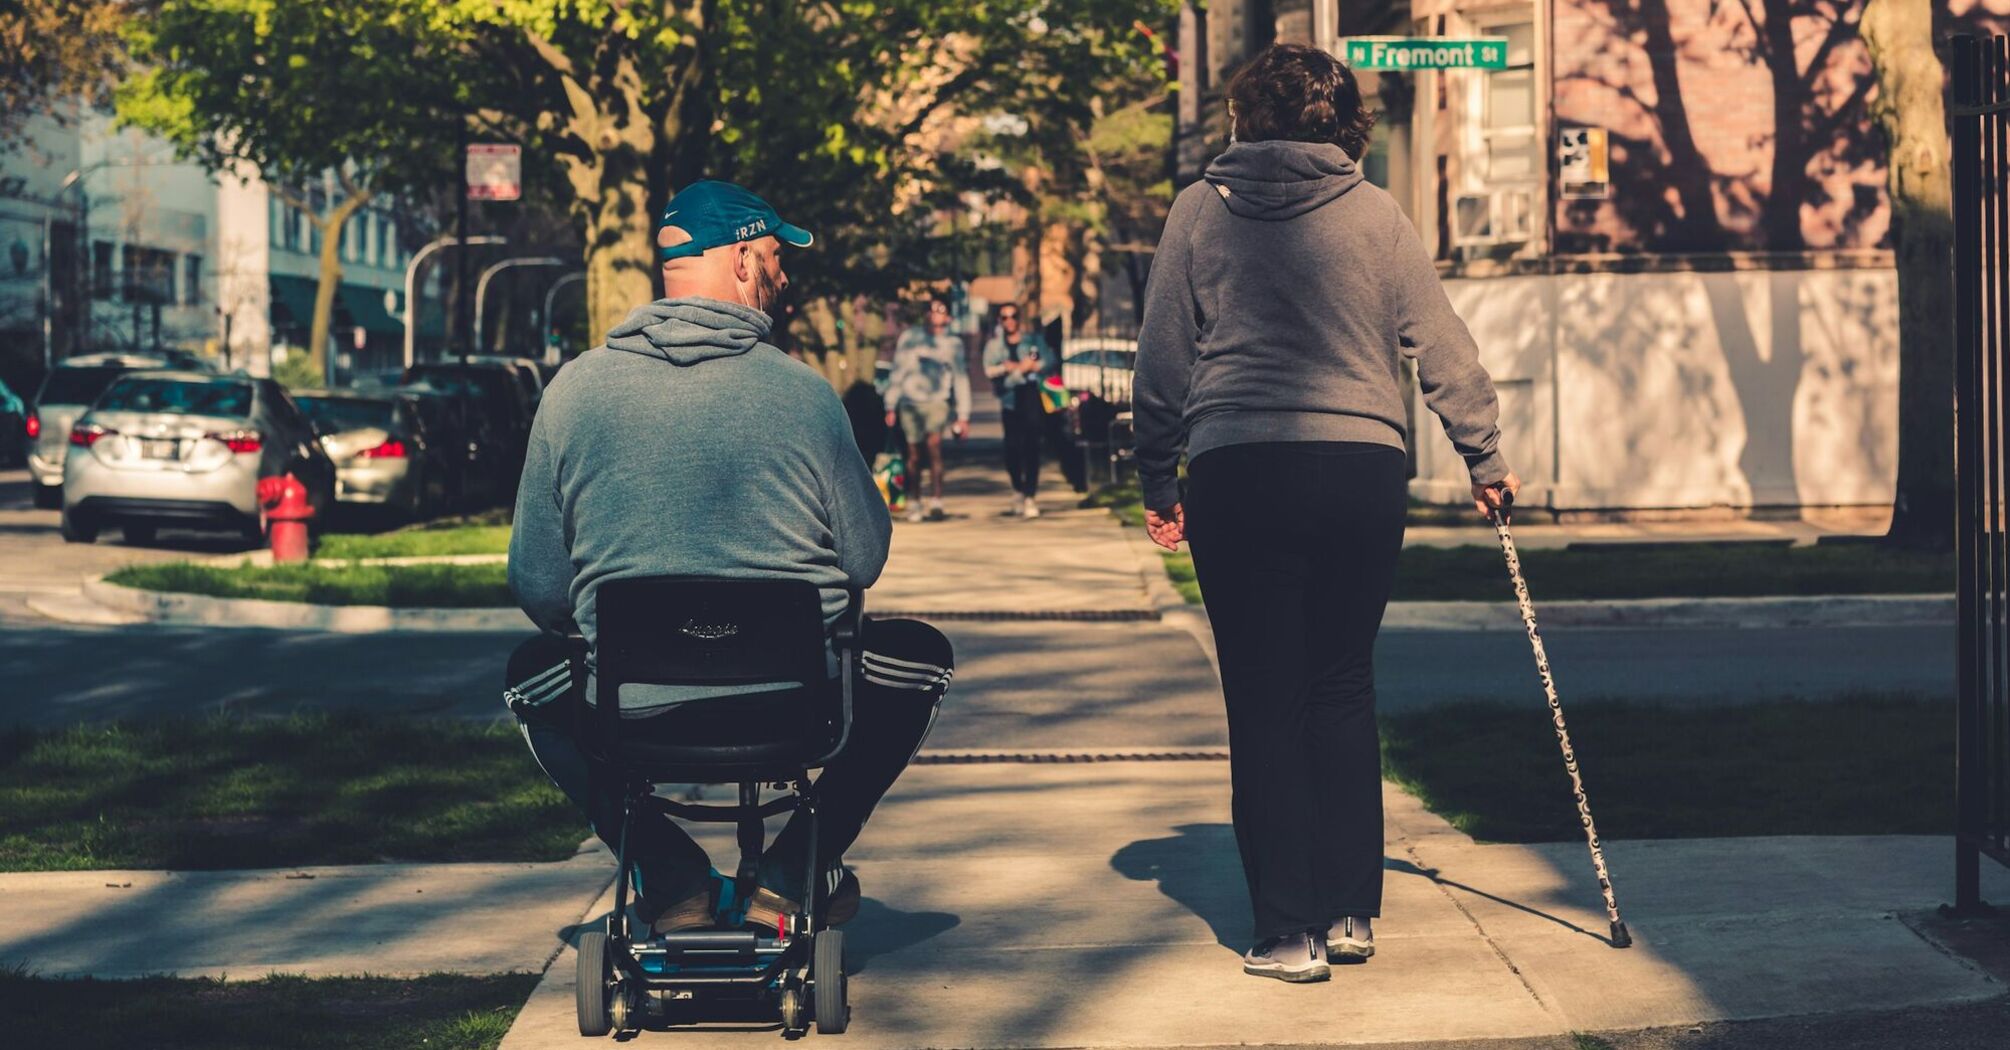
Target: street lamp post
411, 276
482, 286
551, 354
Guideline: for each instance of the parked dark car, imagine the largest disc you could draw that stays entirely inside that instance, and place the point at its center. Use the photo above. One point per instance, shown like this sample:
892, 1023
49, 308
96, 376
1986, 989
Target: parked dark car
488, 471
503, 408
385, 456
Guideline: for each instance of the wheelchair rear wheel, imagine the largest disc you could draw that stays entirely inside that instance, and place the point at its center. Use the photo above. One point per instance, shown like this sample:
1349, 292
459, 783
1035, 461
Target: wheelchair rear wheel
828, 981
595, 991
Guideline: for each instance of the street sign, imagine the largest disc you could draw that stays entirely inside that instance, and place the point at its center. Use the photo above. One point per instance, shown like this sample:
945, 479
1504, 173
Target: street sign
495, 171
1424, 52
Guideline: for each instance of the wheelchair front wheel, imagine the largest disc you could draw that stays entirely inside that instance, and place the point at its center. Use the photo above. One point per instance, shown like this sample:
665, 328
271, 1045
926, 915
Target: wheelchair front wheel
595, 991
828, 981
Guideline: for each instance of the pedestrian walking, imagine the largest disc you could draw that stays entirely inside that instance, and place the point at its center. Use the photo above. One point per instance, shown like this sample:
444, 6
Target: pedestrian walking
1284, 290
1018, 361
930, 385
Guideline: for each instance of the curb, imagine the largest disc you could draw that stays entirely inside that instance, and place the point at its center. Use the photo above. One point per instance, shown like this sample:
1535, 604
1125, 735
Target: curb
196, 610
1879, 610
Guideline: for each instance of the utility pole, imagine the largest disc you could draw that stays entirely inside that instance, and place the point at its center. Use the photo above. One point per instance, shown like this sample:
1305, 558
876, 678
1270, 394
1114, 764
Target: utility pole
462, 304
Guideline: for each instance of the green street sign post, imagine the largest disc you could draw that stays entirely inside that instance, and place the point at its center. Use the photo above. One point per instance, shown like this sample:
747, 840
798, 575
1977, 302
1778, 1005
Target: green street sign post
1425, 52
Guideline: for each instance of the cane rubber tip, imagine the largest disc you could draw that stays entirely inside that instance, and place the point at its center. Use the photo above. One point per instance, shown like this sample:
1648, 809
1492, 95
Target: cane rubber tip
1620, 938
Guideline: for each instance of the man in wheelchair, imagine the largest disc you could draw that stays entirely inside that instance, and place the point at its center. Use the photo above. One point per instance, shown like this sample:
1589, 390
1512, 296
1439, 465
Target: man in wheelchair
689, 446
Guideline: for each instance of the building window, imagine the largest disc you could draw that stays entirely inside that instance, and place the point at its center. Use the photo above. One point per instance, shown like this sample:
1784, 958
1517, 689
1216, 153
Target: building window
149, 274
101, 269
1502, 171
191, 280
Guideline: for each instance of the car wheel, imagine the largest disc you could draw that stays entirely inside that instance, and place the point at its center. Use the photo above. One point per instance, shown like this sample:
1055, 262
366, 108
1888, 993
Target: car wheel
75, 530
138, 534
48, 497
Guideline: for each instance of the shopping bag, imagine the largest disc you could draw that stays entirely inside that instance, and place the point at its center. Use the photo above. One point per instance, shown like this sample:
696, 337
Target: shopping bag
1053, 395
889, 472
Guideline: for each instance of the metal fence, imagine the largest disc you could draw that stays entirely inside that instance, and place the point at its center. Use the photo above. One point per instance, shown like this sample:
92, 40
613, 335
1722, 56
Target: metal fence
1980, 120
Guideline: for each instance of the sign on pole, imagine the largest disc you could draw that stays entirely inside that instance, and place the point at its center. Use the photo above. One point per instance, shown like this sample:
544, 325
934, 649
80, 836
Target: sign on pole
1583, 163
495, 171
1424, 52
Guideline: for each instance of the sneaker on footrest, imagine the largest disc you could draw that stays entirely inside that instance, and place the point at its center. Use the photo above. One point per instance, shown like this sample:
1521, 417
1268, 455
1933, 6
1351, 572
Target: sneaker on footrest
695, 912
841, 902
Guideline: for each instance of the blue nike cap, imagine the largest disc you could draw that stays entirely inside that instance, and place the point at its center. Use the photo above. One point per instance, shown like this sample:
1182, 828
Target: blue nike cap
716, 214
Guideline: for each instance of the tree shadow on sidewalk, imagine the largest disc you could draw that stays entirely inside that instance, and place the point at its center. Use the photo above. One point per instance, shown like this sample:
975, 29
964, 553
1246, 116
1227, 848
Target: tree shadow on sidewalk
1201, 869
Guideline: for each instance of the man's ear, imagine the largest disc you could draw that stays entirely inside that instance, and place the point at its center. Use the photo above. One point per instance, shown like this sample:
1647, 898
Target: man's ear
744, 264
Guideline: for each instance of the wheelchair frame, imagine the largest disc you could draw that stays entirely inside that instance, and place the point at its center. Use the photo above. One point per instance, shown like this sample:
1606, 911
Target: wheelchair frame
622, 976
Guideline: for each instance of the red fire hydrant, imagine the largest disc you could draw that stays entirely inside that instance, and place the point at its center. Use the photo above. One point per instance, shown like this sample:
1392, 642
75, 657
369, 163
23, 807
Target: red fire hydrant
286, 513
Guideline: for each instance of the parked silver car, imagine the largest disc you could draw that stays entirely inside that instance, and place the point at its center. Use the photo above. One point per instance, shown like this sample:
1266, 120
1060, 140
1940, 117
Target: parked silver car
186, 449
383, 453
68, 390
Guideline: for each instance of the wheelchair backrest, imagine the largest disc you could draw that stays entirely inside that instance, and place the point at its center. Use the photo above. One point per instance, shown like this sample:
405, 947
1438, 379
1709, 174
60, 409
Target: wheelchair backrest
690, 630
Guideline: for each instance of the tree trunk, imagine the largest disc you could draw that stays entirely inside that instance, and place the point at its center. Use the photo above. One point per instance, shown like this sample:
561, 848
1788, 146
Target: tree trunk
330, 277
1909, 108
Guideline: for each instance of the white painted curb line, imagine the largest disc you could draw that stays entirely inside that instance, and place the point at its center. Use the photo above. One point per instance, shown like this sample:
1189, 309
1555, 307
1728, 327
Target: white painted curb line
1874, 610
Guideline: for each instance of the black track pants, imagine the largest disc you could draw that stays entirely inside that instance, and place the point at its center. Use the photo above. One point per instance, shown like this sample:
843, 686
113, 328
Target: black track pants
904, 668
1295, 546
1024, 422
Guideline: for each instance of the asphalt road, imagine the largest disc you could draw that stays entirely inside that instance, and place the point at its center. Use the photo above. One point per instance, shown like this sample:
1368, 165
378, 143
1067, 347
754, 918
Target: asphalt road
1047, 685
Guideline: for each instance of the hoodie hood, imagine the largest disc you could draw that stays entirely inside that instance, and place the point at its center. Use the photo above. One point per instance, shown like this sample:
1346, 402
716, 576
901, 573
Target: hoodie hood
687, 331
1277, 180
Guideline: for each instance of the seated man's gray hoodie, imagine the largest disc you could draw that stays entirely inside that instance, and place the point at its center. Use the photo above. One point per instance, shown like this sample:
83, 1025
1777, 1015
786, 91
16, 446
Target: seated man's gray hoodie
689, 446
1283, 291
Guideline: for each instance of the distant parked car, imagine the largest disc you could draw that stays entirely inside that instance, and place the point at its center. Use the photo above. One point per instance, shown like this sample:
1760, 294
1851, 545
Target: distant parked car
457, 422
13, 427
186, 449
505, 403
65, 393
1100, 366
383, 452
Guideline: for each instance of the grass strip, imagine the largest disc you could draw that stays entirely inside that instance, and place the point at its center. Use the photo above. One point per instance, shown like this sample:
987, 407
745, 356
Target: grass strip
1868, 765
481, 586
225, 792
417, 542
438, 1012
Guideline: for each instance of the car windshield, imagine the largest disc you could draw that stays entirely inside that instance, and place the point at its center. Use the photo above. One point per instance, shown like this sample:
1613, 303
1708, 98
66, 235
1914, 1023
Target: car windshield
181, 397
332, 415
78, 384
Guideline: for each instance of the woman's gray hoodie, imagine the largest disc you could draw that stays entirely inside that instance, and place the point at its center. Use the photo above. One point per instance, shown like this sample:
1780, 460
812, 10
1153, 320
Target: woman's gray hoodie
688, 445
1284, 288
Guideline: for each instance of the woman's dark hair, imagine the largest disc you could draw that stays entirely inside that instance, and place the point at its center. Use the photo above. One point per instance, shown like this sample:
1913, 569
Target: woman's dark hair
1300, 94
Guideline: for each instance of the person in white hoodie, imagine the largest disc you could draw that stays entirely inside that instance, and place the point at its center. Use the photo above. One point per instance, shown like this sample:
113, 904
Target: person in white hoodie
930, 384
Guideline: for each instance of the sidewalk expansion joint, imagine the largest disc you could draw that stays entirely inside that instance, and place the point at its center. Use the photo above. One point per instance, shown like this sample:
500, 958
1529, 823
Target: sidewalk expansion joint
982, 758
1492, 945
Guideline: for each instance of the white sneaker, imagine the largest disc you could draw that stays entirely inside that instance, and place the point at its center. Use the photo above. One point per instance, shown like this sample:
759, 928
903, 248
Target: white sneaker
1351, 939
1032, 508
1293, 957
913, 512
1018, 506
935, 511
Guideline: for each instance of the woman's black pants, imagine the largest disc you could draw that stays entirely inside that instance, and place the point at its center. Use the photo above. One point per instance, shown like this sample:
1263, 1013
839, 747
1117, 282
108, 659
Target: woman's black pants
1024, 422
1294, 545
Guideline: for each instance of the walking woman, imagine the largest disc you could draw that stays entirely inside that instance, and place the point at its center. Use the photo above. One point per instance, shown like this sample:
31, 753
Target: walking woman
1284, 290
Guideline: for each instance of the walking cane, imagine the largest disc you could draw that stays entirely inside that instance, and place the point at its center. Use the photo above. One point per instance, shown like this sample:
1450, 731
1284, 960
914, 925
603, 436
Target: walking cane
1620, 938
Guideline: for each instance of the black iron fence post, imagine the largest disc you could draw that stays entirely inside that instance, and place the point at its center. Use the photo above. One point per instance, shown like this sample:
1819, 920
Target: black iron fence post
1980, 126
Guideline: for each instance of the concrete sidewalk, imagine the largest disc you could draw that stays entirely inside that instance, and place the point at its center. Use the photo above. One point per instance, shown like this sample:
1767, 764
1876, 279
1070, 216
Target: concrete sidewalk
1102, 905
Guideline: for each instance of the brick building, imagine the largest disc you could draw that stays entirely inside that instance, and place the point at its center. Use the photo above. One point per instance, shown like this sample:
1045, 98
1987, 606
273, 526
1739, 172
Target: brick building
1699, 314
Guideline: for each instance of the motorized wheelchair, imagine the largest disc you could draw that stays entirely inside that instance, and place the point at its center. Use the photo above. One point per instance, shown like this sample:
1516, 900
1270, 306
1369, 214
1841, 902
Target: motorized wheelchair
730, 634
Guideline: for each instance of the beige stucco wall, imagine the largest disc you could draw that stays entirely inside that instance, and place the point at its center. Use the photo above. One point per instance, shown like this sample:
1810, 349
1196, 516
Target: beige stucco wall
1684, 390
